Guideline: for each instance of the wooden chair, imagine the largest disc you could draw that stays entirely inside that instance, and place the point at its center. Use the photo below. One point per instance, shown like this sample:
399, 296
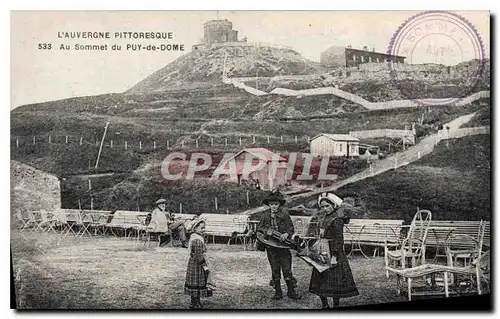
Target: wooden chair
470, 250
413, 246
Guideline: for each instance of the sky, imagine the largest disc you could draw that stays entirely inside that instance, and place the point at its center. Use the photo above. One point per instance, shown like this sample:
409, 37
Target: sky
39, 75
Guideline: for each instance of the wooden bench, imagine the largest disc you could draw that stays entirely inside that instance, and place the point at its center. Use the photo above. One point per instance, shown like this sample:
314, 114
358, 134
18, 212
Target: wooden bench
442, 231
126, 222
224, 225
380, 233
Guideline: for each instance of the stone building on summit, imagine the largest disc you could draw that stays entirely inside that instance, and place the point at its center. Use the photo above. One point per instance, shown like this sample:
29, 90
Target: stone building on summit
217, 32
337, 56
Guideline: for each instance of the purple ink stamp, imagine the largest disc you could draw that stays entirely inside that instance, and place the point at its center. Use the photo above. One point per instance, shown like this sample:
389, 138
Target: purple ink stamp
445, 59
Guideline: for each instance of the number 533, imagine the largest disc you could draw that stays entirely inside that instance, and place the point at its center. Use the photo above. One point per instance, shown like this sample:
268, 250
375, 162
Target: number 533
44, 46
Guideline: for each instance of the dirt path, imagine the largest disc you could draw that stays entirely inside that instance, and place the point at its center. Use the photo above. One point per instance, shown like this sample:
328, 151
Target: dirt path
412, 154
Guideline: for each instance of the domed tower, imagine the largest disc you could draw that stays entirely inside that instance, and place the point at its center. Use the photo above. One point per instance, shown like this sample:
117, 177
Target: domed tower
217, 31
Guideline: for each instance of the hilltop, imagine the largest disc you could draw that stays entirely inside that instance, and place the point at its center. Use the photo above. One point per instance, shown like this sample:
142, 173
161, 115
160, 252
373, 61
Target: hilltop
203, 68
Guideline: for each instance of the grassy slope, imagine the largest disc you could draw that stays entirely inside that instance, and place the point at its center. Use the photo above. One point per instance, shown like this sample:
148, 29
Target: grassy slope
482, 118
71, 158
453, 182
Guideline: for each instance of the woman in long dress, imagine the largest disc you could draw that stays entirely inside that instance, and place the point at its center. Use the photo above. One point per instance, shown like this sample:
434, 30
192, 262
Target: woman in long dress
197, 276
337, 281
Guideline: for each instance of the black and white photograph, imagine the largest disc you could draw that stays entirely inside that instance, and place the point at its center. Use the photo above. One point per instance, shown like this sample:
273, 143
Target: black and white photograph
249, 160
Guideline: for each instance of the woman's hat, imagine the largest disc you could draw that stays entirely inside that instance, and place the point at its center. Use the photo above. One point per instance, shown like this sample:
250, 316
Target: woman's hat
196, 223
161, 201
331, 198
274, 196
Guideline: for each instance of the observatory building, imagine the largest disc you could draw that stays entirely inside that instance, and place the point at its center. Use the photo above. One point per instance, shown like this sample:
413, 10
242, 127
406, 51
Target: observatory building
218, 32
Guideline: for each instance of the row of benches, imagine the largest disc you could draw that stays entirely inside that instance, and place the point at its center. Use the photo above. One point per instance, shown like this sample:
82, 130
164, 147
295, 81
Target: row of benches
359, 232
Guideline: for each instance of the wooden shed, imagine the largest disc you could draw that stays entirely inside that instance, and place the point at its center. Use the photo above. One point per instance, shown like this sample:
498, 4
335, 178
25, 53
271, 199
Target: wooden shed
334, 145
270, 176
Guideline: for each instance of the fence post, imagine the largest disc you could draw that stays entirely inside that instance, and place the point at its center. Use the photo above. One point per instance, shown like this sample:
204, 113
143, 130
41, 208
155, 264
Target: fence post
180, 208
196, 143
66, 139
295, 139
211, 141
248, 198
154, 144
395, 163
17, 142
267, 139
182, 144
216, 206
140, 145
81, 140
281, 138
50, 139
253, 139
225, 141
90, 193
240, 140
111, 143
168, 145
34, 140
125, 144
227, 211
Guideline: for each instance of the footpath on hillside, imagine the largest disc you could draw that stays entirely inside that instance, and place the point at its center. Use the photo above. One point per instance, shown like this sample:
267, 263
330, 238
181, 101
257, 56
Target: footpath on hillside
412, 154
238, 83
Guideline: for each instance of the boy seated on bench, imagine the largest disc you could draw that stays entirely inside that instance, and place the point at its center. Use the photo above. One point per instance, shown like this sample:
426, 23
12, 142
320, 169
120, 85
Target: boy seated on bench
165, 220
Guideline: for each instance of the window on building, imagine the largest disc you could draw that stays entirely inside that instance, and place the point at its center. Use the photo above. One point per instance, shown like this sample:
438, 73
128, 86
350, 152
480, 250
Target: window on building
362, 59
340, 146
354, 57
353, 149
369, 59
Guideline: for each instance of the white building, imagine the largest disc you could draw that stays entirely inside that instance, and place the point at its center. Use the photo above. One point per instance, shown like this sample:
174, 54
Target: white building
334, 145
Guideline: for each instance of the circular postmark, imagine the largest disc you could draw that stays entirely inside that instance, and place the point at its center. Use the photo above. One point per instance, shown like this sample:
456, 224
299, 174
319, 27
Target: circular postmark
444, 58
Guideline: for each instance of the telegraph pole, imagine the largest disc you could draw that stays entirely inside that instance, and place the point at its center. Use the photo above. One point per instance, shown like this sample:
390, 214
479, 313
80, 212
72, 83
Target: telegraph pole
224, 74
102, 142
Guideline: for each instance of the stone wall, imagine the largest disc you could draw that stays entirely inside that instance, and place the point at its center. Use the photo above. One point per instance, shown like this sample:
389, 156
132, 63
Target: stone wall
33, 189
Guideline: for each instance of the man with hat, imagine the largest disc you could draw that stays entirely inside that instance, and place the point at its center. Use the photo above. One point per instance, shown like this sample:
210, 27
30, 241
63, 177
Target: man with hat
280, 259
165, 219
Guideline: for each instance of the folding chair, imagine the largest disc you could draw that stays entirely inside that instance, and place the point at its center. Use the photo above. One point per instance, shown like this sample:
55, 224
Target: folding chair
62, 220
32, 219
83, 222
47, 222
24, 221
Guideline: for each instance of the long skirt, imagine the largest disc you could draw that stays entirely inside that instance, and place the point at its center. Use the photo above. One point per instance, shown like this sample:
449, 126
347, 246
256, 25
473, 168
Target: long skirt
335, 282
196, 280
